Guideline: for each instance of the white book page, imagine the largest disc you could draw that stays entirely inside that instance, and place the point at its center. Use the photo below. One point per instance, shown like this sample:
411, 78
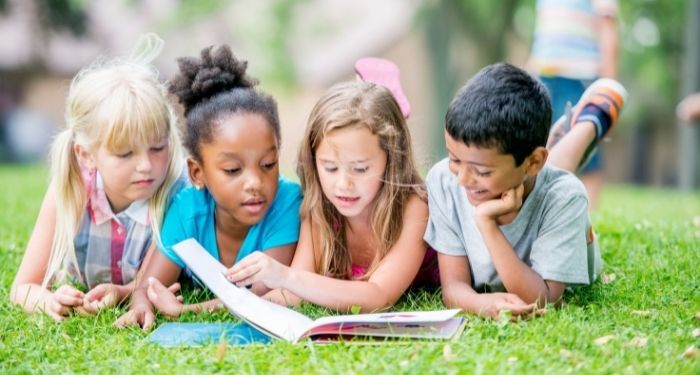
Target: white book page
270, 317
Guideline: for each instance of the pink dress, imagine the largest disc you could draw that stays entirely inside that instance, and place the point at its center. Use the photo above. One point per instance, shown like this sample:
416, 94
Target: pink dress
428, 274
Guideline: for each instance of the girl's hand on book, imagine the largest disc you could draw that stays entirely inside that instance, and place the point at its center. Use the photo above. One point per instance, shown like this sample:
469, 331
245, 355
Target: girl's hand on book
258, 267
164, 299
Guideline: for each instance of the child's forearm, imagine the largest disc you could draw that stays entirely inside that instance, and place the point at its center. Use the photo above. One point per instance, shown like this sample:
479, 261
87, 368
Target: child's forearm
31, 297
517, 277
282, 297
139, 297
460, 295
124, 291
339, 295
209, 306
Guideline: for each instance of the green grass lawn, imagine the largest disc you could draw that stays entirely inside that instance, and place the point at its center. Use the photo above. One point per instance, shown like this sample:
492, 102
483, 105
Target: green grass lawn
650, 240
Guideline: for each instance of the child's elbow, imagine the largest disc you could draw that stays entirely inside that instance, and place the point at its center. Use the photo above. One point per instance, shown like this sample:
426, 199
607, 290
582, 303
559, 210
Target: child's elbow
18, 293
378, 302
447, 295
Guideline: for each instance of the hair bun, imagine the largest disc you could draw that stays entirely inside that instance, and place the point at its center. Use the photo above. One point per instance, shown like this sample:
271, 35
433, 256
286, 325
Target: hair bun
215, 72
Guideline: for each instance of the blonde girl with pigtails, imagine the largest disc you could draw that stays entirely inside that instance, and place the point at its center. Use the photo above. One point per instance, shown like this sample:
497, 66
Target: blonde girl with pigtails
113, 169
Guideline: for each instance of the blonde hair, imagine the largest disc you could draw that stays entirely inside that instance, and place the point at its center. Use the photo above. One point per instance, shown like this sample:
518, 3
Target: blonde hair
115, 104
358, 104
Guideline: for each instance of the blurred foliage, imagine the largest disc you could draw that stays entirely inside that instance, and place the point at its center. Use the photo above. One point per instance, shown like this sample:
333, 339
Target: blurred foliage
190, 11
652, 37
57, 15
63, 15
652, 41
267, 34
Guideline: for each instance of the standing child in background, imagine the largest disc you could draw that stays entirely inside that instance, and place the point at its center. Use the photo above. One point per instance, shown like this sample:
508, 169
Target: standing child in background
575, 43
511, 227
364, 209
239, 204
113, 169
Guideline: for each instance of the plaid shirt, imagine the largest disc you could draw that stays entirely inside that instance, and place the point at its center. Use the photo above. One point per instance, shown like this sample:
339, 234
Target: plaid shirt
109, 248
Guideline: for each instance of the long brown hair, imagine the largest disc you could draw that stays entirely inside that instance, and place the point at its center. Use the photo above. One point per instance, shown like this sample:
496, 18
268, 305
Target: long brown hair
358, 104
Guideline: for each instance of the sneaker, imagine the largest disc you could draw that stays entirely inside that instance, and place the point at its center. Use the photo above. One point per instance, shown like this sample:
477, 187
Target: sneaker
601, 104
386, 73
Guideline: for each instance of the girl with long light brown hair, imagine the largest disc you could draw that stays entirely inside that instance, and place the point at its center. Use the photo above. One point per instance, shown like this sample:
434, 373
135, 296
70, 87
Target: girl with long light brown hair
364, 210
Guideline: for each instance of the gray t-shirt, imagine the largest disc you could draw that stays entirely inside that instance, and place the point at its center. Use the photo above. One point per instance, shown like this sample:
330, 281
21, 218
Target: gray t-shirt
552, 232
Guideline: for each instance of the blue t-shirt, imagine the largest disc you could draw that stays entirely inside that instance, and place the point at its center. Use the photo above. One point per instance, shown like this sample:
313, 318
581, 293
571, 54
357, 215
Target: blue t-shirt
191, 215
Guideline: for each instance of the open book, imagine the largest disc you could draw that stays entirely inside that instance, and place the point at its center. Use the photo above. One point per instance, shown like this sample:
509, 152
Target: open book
286, 324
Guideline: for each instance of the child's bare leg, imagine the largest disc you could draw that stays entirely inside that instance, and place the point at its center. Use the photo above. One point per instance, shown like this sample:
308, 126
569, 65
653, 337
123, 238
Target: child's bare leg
575, 136
568, 153
593, 181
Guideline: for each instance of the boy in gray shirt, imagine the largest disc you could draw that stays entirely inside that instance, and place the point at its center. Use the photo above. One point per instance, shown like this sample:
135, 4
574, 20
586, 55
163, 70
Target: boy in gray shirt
507, 217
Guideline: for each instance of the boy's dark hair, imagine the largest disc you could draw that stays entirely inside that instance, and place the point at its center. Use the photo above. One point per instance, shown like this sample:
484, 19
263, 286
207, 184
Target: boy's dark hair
501, 106
214, 86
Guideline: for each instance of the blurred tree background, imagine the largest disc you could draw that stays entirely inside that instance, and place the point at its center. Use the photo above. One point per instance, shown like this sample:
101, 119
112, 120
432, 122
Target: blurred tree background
652, 49
651, 57
652, 38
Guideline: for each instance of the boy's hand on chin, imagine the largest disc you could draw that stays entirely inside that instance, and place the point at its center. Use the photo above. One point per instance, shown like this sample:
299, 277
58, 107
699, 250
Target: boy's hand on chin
510, 201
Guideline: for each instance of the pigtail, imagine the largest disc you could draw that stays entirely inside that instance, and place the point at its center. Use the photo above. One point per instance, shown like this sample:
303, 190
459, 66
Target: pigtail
70, 200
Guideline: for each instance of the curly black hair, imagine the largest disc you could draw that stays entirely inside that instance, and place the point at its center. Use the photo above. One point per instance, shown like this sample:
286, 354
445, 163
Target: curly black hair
214, 86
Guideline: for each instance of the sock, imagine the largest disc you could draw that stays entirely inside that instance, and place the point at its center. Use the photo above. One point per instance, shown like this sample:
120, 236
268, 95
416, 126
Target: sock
600, 118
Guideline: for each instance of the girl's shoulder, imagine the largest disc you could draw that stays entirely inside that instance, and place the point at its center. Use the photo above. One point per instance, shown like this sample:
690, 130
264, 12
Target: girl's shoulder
288, 190
287, 183
416, 206
181, 182
287, 200
190, 200
417, 200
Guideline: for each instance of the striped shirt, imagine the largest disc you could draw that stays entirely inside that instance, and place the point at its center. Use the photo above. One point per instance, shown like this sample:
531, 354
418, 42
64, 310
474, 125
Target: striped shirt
566, 37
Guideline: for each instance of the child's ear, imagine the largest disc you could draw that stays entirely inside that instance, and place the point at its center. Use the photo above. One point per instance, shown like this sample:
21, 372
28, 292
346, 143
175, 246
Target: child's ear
537, 160
196, 173
85, 157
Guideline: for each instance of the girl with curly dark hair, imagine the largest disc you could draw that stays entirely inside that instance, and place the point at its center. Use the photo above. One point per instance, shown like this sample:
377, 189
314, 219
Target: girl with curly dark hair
238, 203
